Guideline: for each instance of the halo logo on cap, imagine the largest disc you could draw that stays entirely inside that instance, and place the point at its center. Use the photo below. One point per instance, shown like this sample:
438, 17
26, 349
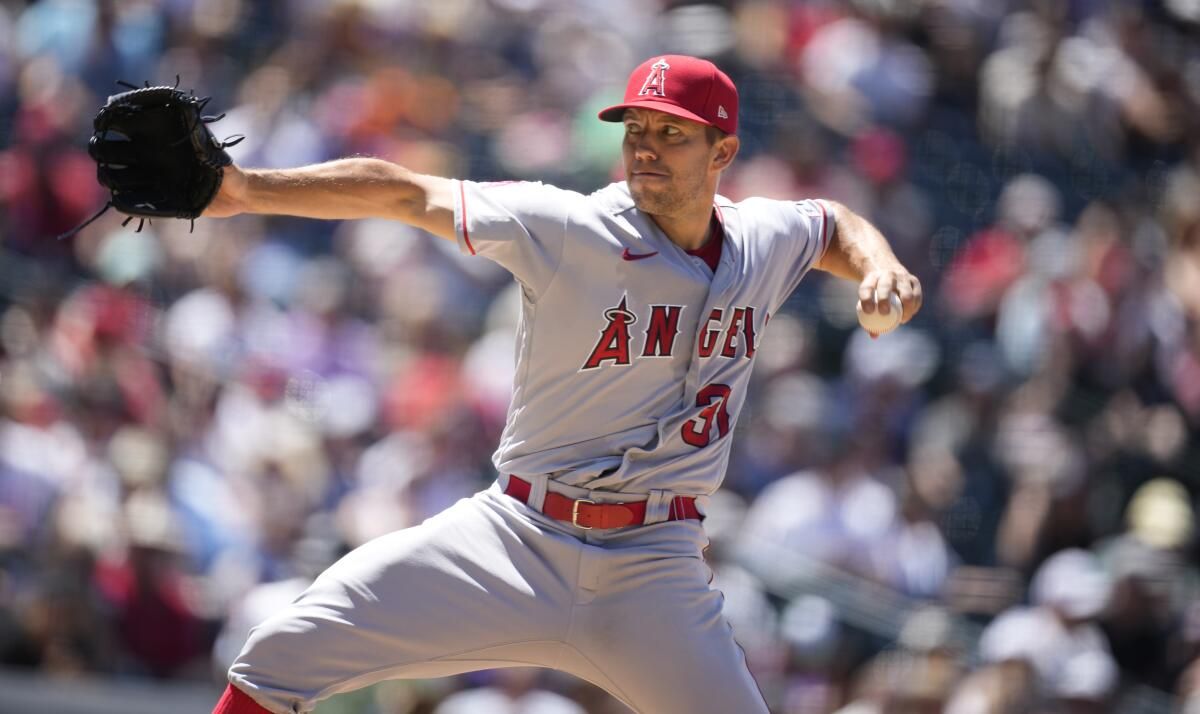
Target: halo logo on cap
656, 81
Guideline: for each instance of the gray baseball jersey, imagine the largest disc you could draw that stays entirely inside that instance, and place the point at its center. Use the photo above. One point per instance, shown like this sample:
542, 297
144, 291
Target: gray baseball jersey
632, 357
632, 364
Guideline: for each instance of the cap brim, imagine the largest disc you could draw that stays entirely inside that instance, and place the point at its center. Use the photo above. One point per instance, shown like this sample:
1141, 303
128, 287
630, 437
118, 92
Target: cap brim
617, 112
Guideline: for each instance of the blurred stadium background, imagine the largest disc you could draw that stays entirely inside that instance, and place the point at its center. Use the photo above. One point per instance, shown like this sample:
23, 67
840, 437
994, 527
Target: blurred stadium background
989, 511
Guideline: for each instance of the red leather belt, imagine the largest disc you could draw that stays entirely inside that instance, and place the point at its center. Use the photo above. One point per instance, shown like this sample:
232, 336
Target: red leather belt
582, 513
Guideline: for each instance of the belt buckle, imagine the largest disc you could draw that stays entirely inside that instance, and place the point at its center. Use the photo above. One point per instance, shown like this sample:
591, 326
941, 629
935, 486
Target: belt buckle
575, 513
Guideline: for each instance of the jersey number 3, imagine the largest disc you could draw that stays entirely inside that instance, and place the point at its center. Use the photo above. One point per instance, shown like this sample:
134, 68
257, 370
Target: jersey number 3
698, 431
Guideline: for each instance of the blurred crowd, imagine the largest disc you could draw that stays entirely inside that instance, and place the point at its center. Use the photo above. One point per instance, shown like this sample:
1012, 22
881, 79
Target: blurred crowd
194, 423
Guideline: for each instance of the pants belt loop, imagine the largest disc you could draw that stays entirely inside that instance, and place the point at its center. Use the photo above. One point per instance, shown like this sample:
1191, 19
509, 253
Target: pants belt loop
537, 491
658, 506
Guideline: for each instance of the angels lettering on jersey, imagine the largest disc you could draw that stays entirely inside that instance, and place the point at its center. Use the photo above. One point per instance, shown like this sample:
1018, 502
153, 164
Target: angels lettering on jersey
727, 333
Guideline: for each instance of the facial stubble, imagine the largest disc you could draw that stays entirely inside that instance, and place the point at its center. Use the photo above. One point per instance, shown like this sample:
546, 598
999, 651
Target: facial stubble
671, 199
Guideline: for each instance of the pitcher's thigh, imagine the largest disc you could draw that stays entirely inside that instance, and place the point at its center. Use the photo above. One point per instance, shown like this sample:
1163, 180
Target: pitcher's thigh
664, 641
414, 603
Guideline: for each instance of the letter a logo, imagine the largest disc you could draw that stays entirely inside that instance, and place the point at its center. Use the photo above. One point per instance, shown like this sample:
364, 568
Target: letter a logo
657, 79
614, 338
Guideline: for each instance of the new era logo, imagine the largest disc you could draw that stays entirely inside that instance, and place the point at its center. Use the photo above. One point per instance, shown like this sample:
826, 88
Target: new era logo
721, 113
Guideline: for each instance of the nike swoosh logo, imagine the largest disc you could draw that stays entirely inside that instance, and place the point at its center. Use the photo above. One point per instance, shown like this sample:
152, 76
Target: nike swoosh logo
626, 255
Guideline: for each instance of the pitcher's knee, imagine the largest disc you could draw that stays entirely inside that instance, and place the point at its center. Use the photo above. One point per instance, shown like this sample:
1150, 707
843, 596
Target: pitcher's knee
279, 665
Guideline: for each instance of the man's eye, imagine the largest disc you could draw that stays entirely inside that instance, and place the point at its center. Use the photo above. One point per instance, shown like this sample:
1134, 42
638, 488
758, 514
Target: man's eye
671, 131
632, 129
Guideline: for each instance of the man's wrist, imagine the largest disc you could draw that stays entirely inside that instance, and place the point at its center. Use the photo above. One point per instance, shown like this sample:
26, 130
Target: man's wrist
883, 265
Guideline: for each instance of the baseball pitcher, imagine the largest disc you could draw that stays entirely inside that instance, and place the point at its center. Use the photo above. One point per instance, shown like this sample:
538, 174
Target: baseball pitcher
644, 305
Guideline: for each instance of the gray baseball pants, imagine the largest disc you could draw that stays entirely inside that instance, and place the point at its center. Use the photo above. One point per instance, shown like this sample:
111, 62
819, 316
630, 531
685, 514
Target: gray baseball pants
490, 583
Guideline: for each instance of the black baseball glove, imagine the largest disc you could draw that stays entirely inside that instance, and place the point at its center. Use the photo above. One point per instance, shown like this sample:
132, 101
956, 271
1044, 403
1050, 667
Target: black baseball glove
154, 152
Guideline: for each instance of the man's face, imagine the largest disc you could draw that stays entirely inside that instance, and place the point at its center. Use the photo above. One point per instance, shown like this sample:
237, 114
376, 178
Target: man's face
667, 161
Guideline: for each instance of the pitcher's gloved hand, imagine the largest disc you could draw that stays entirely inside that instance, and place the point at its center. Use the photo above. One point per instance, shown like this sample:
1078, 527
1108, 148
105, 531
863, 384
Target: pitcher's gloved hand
155, 154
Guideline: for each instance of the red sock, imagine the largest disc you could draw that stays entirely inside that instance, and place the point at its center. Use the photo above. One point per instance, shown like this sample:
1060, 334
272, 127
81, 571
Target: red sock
235, 701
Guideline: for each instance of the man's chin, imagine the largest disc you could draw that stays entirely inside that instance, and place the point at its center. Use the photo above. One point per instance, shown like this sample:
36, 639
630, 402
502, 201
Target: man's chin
650, 202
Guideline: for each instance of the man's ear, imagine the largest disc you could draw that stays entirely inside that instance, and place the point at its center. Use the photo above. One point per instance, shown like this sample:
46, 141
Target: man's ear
726, 150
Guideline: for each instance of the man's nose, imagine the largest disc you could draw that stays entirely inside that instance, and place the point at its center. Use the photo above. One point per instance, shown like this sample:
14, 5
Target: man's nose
643, 149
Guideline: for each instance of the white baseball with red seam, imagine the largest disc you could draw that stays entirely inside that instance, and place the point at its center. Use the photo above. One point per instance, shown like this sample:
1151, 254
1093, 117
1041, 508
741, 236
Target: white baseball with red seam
876, 322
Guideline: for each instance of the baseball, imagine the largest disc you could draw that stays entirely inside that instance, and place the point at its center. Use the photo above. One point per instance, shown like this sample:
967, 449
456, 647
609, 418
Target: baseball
877, 323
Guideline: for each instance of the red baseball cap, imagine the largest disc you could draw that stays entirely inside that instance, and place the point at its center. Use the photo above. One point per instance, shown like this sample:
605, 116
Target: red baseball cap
682, 86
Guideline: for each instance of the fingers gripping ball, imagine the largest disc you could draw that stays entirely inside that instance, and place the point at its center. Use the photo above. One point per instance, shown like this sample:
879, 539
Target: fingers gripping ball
876, 322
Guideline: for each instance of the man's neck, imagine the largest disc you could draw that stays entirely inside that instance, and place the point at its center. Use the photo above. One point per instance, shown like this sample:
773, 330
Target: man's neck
689, 230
